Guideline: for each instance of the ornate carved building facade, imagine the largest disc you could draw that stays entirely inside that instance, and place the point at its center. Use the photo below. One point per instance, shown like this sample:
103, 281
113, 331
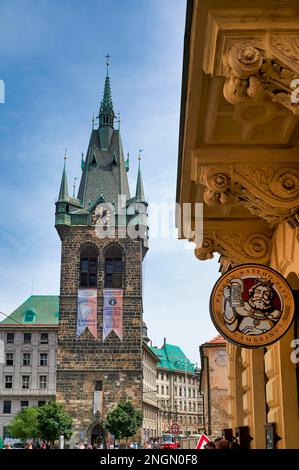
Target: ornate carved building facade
238, 155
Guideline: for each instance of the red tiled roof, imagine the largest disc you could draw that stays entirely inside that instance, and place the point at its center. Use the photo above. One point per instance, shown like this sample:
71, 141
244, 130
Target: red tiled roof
217, 339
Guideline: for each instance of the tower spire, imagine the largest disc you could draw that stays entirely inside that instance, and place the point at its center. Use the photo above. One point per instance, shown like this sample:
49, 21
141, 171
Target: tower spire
139, 186
63, 192
106, 113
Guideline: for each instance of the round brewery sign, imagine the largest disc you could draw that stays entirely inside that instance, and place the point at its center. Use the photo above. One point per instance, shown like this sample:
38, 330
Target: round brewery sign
252, 306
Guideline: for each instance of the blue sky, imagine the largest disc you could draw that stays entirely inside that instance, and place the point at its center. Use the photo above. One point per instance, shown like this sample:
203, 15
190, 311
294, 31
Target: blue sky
53, 65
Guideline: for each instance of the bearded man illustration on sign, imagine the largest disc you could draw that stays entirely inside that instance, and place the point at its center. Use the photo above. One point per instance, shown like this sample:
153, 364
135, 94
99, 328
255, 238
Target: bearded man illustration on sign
251, 311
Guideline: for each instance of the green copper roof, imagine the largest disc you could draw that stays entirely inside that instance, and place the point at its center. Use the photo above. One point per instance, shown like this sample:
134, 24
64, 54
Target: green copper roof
139, 187
63, 193
172, 357
104, 171
36, 310
106, 104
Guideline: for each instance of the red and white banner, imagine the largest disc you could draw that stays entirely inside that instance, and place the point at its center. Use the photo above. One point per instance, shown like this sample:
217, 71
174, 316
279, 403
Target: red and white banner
113, 312
87, 311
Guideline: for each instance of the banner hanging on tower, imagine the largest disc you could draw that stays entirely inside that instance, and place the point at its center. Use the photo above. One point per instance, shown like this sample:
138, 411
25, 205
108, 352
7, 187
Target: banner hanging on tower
87, 311
113, 312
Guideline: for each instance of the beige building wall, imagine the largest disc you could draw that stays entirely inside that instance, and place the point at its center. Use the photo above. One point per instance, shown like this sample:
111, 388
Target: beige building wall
238, 155
214, 386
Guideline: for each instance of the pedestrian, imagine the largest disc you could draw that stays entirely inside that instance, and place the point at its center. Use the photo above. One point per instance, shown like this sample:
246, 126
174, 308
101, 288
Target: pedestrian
7, 446
210, 445
222, 444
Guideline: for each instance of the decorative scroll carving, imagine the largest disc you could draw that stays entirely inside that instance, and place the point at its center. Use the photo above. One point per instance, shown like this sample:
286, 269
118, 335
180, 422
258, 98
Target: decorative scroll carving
270, 192
206, 250
286, 48
250, 74
239, 248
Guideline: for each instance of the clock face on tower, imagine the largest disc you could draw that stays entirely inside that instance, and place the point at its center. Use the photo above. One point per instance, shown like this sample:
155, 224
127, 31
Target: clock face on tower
101, 215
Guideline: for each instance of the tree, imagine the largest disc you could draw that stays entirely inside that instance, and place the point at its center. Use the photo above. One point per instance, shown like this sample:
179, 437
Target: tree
124, 420
24, 425
53, 421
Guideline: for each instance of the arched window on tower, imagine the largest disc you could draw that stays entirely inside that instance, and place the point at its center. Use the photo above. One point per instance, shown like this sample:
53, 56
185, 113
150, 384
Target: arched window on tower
113, 267
88, 267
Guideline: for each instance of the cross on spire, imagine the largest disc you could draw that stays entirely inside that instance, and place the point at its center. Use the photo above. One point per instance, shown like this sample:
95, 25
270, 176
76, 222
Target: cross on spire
107, 62
65, 155
74, 187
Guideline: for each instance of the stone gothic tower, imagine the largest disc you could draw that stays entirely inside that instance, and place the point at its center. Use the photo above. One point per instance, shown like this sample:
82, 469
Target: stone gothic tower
104, 239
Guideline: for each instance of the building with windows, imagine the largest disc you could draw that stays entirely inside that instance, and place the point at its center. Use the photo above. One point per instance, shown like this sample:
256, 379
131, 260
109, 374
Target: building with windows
149, 392
103, 233
238, 156
178, 393
214, 386
28, 374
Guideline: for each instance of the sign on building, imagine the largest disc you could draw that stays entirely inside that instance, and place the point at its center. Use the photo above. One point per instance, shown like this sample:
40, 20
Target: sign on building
252, 306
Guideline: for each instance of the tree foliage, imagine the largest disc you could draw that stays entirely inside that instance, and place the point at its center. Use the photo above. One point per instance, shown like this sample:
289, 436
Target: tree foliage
24, 425
53, 421
124, 420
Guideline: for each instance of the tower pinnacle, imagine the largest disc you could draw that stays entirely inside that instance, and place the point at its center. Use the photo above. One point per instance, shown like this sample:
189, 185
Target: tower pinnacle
106, 113
63, 192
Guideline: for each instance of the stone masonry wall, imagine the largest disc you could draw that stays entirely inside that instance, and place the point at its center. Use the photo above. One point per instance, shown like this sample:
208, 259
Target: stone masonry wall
84, 360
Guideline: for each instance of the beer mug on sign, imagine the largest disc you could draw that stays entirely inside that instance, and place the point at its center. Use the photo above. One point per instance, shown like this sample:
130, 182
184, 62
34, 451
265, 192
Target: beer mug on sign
236, 292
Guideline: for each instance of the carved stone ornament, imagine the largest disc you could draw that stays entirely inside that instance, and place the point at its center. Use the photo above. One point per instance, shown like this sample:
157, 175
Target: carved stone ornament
270, 192
250, 74
243, 247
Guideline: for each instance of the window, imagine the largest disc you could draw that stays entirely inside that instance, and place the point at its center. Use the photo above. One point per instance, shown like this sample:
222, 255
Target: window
41, 403
8, 381
27, 338
180, 391
167, 390
43, 359
88, 267
113, 267
44, 339
42, 381
98, 386
24, 404
29, 316
10, 338
26, 359
9, 359
7, 406
162, 389
25, 382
